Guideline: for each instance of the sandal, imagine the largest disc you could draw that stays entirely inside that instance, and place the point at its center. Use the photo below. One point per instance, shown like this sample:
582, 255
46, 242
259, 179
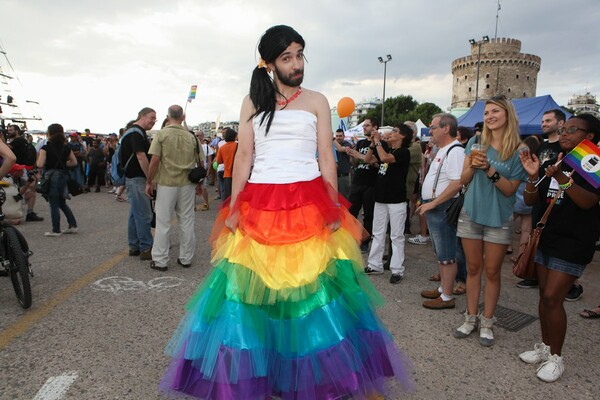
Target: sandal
435, 278
120, 198
459, 289
590, 314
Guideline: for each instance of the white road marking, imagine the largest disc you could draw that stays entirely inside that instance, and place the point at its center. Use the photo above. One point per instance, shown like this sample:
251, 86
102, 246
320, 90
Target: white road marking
56, 386
120, 284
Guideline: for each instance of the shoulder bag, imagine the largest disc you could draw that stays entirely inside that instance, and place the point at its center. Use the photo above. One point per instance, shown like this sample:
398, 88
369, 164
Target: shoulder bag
197, 173
453, 210
73, 187
524, 267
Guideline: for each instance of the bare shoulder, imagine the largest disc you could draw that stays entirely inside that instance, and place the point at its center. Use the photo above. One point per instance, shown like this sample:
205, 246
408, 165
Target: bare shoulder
316, 101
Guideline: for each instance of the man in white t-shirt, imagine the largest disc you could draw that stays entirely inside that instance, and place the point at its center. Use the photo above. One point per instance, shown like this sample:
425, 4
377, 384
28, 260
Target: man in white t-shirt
440, 187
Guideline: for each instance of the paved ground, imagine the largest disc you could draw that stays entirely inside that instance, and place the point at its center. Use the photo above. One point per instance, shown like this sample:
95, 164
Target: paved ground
100, 321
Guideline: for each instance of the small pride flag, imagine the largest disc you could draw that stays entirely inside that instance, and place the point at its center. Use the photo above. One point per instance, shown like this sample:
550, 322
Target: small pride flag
192, 95
585, 159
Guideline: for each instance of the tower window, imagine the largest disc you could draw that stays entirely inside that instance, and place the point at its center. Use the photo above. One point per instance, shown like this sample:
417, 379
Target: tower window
487, 86
527, 77
487, 75
469, 104
465, 77
524, 94
508, 90
469, 89
517, 76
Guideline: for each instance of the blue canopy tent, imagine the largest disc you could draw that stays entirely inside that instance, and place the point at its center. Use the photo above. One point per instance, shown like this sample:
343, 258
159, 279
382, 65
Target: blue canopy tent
529, 110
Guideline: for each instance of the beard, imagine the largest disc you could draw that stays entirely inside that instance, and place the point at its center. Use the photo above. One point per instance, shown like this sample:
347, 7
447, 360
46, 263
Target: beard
293, 80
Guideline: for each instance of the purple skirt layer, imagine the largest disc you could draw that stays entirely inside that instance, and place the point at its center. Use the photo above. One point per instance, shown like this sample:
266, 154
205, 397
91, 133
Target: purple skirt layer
357, 367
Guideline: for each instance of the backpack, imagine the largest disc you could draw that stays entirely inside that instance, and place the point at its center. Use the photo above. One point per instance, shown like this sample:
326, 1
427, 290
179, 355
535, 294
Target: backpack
117, 169
30, 155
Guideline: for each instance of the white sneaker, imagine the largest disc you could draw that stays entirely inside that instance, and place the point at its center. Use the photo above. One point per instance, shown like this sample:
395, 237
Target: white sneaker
70, 230
539, 354
551, 369
419, 239
52, 234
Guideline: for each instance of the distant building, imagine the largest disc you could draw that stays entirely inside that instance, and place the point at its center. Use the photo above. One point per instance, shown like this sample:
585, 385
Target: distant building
584, 104
503, 70
361, 109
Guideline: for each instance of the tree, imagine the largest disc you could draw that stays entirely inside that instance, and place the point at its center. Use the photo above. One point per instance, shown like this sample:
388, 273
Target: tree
425, 112
403, 108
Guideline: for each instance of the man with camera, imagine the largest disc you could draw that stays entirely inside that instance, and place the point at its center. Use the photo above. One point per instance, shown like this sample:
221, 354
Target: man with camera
26, 155
175, 152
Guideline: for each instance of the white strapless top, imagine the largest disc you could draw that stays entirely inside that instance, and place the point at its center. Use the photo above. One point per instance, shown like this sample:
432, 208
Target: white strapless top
288, 152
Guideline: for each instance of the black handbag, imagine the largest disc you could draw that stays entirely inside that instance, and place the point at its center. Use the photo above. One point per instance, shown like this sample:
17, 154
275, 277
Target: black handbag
43, 185
453, 210
197, 173
74, 188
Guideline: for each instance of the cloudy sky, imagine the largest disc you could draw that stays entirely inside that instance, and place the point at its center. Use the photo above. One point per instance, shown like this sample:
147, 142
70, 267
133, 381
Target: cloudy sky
94, 64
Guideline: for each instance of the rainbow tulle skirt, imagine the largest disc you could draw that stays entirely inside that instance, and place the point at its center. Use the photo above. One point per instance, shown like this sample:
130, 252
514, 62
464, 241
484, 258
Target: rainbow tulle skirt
287, 311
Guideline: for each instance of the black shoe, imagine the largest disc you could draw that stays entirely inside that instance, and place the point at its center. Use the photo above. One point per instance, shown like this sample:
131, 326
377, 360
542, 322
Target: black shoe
183, 265
157, 267
528, 284
3, 272
371, 271
134, 253
33, 217
575, 293
396, 278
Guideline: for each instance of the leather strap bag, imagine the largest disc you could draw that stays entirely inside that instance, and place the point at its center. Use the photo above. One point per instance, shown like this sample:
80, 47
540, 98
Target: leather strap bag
524, 267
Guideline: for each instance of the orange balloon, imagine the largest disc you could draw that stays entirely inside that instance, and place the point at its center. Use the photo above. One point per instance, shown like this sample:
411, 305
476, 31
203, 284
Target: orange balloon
345, 107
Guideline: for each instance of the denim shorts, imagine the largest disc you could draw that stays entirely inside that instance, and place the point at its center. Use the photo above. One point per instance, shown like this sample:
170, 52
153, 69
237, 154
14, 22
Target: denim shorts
558, 264
442, 234
468, 229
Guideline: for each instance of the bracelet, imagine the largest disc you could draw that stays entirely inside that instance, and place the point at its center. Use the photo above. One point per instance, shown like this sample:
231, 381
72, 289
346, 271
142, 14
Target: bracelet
533, 182
377, 144
495, 177
565, 186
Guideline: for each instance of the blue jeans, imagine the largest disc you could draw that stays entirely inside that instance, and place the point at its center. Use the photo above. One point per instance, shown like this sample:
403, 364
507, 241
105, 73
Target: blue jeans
442, 234
139, 234
56, 198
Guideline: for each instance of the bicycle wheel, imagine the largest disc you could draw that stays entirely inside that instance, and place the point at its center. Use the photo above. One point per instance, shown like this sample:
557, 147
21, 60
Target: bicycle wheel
19, 270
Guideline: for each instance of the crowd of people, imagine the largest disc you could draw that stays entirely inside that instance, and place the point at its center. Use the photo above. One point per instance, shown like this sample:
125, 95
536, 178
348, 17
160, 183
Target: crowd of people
287, 242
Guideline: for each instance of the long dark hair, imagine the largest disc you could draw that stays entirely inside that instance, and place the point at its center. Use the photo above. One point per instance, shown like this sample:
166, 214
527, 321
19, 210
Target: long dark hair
262, 89
56, 134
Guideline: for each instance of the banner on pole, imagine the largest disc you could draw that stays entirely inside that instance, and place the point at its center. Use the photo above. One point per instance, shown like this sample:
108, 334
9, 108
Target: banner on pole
192, 95
585, 159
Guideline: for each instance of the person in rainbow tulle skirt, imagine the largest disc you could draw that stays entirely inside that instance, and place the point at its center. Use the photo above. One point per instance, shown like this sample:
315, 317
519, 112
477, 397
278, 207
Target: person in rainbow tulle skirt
287, 311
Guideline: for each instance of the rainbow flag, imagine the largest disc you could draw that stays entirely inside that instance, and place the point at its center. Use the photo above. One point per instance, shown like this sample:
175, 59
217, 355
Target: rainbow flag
585, 159
192, 94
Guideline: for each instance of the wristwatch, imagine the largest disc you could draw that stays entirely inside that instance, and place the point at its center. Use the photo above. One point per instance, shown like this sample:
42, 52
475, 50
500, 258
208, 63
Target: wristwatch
495, 177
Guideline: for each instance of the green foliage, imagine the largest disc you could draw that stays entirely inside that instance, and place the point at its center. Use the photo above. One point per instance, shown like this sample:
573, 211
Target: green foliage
403, 108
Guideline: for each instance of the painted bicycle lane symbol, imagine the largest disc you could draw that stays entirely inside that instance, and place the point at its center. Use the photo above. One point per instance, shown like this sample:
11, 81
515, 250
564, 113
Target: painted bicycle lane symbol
123, 284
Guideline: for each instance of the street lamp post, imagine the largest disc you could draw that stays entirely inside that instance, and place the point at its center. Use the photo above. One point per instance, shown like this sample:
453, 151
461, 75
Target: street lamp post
486, 39
381, 60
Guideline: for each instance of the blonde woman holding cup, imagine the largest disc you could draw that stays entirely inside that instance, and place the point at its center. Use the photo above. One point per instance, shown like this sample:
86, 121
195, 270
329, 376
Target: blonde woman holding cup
493, 171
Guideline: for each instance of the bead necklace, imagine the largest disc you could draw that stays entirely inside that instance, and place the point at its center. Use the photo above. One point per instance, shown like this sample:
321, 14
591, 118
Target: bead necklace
288, 101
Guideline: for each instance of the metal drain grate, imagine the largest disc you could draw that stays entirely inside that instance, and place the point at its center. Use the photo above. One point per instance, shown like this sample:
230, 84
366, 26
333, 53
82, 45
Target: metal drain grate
511, 320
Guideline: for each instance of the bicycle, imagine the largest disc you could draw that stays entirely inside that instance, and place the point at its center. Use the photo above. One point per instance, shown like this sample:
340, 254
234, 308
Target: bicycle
14, 255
